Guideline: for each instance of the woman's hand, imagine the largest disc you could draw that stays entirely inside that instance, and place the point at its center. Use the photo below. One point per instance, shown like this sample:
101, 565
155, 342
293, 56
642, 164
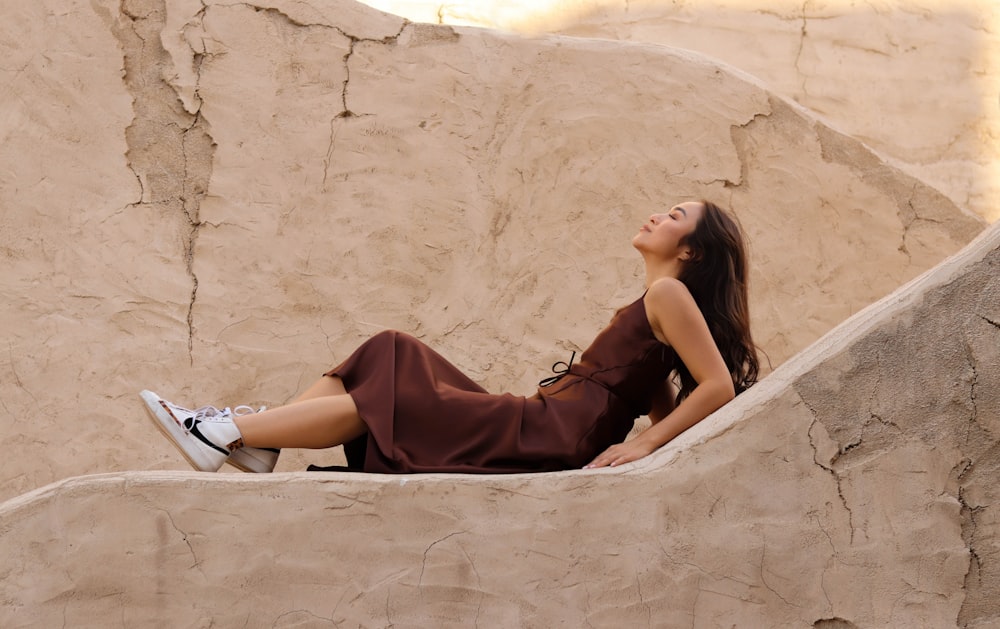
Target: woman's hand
619, 453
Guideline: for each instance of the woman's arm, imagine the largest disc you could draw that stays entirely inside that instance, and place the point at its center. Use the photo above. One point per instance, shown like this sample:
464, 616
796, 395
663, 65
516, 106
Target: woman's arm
677, 321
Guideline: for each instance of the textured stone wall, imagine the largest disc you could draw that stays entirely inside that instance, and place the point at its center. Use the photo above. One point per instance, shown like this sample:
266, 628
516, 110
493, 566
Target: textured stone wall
918, 80
220, 200
855, 487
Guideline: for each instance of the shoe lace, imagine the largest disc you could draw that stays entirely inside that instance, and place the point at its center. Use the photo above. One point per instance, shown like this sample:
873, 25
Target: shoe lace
213, 414
243, 409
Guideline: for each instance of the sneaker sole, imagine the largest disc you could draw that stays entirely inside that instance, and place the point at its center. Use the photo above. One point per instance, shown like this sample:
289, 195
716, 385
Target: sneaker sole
176, 434
247, 462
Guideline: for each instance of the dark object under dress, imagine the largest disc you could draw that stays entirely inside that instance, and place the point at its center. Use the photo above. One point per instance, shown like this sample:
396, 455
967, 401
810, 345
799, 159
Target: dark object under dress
424, 415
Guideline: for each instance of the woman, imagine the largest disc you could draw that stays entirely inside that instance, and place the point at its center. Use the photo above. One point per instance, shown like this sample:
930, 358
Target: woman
399, 407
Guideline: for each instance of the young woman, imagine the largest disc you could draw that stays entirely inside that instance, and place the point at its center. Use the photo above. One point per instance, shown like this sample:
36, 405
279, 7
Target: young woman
677, 353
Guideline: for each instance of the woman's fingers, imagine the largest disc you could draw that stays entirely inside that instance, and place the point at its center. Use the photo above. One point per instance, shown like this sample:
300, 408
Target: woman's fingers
611, 457
619, 454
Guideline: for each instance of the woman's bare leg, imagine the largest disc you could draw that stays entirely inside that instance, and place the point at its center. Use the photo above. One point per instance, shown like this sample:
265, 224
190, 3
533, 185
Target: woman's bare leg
322, 417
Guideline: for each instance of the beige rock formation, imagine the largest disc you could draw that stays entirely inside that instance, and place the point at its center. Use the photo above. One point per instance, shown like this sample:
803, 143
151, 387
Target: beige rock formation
917, 80
221, 200
854, 487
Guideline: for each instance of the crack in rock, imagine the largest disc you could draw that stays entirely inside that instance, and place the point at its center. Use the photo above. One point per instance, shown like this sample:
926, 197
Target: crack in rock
191, 204
969, 526
739, 135
184, 537
390, 39
17, 376
915, 201
763, 554
352, 39
277, 619
169, 149
328, 158
873, 414
423, 563
834, 622
974, 417
803, 33
833, 472
995, 324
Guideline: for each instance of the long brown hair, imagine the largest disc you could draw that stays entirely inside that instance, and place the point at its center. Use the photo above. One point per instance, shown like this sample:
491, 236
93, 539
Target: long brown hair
717, 274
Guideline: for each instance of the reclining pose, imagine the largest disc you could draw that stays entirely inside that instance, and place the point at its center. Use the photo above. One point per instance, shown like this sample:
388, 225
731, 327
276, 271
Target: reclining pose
677, 353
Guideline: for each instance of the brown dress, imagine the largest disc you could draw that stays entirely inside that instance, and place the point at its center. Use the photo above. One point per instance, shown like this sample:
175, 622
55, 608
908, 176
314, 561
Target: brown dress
424, 415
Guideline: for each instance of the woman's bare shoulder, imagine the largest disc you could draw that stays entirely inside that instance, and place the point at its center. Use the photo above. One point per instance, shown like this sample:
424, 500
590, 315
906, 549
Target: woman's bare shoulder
670, 308
667, 291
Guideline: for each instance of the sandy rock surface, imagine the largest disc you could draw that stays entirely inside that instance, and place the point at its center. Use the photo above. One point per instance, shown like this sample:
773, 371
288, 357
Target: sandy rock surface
917, 80
220, 200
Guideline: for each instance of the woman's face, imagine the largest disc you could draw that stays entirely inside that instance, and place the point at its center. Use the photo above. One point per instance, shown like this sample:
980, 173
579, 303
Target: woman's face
663, 233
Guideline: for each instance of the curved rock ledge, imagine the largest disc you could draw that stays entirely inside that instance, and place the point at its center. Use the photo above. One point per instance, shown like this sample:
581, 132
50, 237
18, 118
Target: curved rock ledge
855, 486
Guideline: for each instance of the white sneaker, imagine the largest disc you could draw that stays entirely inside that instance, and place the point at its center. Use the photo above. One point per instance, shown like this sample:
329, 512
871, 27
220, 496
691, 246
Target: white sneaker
247, 459
206, 436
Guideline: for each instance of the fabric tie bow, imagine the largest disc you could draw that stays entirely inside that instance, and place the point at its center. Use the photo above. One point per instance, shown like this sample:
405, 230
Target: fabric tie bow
559, 371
